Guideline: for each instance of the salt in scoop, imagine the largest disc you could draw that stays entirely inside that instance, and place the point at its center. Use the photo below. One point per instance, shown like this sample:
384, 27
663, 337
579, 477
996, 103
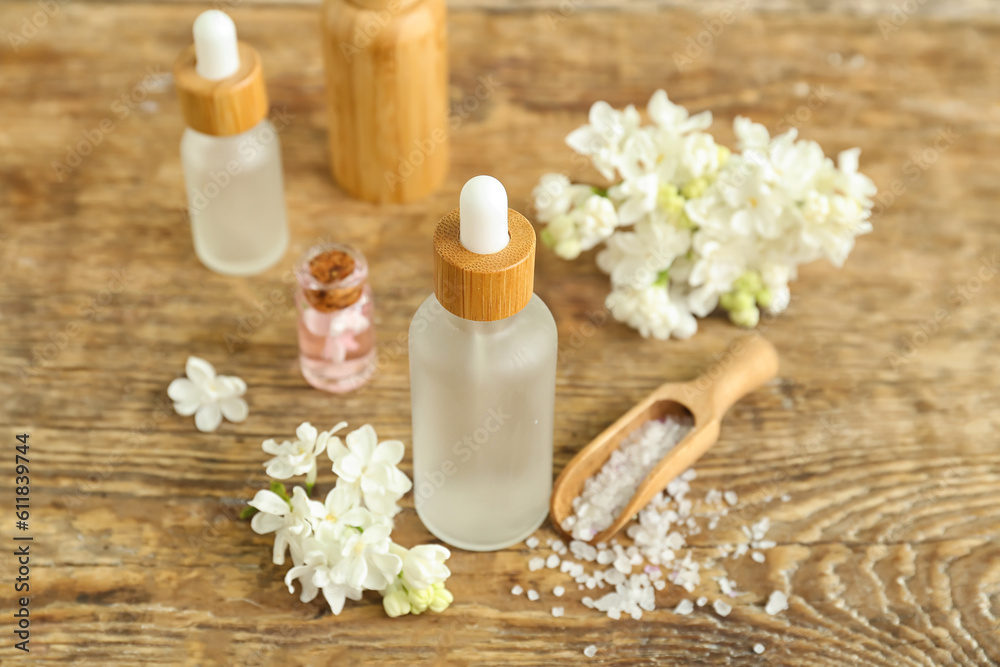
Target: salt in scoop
747, 364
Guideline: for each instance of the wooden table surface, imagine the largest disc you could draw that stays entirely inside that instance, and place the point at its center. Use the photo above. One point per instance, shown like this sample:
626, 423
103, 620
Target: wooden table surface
881, 428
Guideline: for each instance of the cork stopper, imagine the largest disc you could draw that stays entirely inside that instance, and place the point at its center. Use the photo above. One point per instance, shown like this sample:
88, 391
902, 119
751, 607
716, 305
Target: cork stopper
484, 288
225, 106
332, 277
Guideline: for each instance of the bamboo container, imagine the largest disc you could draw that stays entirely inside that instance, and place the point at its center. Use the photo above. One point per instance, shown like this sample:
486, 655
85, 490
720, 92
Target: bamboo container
387, 84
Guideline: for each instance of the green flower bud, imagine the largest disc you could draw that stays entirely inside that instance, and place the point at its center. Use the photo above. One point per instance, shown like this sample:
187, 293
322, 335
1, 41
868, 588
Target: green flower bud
747, 318
420, 600
695, 188
737, 301
749, 282
764, 298
668, 199
442, 598
724, 154
396, 602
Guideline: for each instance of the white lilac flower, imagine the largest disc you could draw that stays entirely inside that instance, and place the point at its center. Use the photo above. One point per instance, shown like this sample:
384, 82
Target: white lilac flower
423, 565
652, 311
342, 510
207, 396
639, 258
365, 558
635, 197
299, 456
555, 196
602, 138
291, 521
850, 182
750, 135
700, 157
318, 572
673, 118
371, 467
706, 227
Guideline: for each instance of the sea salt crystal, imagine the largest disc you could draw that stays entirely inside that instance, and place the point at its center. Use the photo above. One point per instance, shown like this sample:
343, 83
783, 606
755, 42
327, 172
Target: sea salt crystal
558, 591
727, 587
731, 498
785, 498
558, 545
722, 608
536, 563
517, 590
778, 602
701, 601
531, 542
552, 562
557, 611
684, 607
758, 557
532, 594
758, 648
590, 651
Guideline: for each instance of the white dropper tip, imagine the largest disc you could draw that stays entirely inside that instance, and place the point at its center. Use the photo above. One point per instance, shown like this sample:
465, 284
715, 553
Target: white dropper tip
482, 208
217, 54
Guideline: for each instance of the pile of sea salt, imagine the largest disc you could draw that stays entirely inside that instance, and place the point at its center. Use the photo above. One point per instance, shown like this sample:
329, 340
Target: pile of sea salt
659, 554
607, 493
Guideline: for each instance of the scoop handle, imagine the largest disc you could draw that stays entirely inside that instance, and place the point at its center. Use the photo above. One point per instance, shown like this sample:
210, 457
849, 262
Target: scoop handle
747, 363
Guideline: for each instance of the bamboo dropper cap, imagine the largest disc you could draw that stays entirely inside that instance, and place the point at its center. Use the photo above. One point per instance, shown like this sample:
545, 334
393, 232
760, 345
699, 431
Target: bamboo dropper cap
492, 285
226, 105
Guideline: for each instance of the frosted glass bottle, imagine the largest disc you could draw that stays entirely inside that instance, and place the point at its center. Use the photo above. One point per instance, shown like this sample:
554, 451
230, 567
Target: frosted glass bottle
236, 199
482, 379
483, 402
230, 153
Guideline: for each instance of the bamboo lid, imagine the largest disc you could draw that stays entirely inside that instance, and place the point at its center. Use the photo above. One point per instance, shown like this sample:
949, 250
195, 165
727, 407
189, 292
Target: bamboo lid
225, 107
484, 288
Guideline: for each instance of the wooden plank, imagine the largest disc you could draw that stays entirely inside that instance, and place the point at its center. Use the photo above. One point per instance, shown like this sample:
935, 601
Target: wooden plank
889, 543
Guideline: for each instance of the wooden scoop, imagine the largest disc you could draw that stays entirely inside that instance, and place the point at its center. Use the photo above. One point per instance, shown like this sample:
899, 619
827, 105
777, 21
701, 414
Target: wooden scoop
747, 364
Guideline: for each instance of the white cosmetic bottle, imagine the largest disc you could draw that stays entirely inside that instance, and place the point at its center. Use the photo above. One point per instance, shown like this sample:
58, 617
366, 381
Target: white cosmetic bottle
230, 152
482, 379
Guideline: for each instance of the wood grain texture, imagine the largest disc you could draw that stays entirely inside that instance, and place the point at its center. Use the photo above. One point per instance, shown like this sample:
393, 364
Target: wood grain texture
221, 108
387, 97
882, 425
484, 288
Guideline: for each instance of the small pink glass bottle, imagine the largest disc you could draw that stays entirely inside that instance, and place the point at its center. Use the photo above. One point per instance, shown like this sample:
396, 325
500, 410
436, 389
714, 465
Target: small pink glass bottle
336, 330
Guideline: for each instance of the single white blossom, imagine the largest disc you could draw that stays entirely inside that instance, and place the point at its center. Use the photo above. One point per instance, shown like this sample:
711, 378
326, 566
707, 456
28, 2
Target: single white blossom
207, 396
365, 559
290, 521
603, 137
318, 572
371, 467
298, 457
423, 565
